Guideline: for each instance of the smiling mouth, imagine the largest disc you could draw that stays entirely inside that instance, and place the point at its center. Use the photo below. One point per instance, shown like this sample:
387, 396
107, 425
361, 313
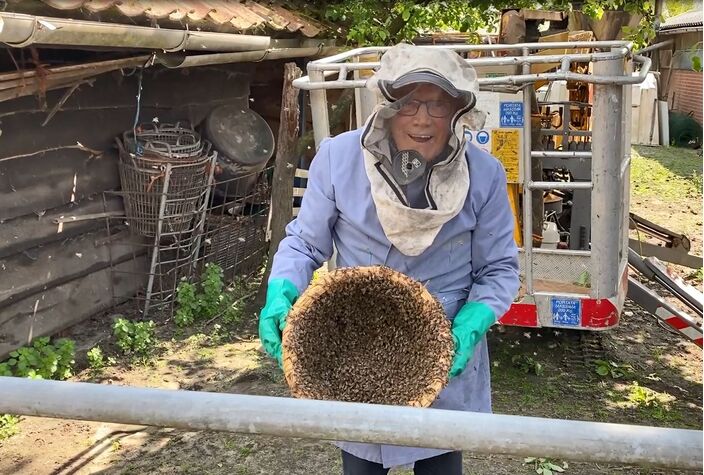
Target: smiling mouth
420, 138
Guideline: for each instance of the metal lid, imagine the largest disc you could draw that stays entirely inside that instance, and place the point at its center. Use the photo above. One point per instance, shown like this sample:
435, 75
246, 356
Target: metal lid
239, 134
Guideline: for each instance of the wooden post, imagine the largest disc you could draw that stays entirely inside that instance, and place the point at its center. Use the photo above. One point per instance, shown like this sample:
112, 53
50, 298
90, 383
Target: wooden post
284, 170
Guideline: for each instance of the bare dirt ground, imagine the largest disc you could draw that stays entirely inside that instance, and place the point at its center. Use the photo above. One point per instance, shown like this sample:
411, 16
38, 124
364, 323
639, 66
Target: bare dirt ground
227, 359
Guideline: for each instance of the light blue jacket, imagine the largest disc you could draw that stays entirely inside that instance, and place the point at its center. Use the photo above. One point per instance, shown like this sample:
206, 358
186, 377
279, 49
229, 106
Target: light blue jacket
473, 258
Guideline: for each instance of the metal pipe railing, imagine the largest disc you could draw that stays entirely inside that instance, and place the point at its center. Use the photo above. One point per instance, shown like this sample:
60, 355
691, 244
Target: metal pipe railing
656, 46
331, 420
607, 151
490, 61
619, 50
527, 179
560, 185
487, 47
559, 154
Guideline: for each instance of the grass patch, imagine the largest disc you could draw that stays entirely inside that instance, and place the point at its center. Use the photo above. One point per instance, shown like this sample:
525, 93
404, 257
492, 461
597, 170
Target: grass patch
666, 188
647, 404
668, 173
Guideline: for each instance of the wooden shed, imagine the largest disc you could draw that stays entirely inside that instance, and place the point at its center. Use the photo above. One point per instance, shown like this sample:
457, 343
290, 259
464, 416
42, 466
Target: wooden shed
681, 81
77, 74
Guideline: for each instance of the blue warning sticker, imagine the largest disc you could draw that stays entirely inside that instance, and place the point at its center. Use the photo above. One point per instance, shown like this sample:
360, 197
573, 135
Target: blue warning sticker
566, 312
511, 114
483, 137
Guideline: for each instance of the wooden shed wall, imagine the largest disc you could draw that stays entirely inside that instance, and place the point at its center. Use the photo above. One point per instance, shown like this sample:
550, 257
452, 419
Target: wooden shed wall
51, 275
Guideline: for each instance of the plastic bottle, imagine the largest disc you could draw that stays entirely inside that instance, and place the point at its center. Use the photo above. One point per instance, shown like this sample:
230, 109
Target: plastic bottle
551, 236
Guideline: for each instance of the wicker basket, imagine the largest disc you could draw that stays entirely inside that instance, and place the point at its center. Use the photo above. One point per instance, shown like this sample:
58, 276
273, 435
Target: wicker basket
367, 334
177, 140
142, 179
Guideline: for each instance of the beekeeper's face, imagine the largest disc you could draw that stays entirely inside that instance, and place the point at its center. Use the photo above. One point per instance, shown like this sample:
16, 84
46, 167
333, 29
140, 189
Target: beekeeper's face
422, 122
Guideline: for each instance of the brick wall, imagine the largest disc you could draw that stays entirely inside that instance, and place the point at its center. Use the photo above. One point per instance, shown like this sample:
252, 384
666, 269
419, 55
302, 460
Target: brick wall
685, 93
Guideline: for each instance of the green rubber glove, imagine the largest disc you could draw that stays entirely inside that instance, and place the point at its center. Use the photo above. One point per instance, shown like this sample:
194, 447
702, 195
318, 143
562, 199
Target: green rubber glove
280, 297
469, 326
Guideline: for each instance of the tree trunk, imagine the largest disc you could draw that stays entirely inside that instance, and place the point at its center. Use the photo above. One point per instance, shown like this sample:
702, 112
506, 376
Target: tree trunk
284, 171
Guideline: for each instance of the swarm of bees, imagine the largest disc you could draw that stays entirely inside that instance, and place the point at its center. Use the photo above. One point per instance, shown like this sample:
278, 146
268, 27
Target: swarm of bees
367, 334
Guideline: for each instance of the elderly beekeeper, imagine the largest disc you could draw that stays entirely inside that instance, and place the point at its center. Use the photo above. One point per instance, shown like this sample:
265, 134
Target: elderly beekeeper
407, 191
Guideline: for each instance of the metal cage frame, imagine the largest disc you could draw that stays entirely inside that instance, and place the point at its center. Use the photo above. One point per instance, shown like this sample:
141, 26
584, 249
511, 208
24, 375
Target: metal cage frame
600, 305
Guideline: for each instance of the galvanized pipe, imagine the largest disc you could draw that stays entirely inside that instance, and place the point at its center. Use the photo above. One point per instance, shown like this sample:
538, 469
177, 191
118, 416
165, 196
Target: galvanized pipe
620, 50
488, 47
563, 252
560, 185
656, 46
624, 174
573, 133
331, 420
308, 83
496, 61
560, 154
21, 30
318, 109
180, 61
607, 141
566, 76
527, 180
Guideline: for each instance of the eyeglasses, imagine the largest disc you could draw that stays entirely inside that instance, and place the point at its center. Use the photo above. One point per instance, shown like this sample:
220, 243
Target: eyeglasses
437, 109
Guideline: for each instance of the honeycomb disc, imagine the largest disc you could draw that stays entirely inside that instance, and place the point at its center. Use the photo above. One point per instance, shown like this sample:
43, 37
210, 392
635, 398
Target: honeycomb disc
367, 334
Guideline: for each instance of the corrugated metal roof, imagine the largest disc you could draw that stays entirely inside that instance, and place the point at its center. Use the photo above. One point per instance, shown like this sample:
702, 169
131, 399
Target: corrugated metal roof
206, 15
684, 20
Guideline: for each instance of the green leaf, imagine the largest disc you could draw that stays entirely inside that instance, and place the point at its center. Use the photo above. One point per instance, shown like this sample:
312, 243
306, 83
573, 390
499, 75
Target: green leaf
555, 468
584, 279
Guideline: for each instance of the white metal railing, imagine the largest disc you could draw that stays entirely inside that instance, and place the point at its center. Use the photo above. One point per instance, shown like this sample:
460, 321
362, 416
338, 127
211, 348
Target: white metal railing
618, 50
332, 420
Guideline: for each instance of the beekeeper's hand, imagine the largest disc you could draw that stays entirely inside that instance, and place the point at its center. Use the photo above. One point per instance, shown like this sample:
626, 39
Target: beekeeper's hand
280, 296
469, 326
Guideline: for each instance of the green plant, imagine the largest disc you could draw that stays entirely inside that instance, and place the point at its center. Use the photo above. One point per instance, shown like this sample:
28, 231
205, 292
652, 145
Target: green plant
376, 22
641, 396
527, 364
9, 426
545, 466
188, 306
96, 361
42, 360
609, 368
212, 287
134, 338
584, 279
206, 300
